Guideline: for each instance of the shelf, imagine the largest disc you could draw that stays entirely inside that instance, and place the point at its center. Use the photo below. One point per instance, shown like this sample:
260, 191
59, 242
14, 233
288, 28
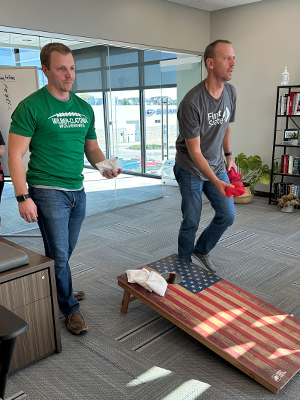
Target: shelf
290, 115
282, 174
287, 145
287, 86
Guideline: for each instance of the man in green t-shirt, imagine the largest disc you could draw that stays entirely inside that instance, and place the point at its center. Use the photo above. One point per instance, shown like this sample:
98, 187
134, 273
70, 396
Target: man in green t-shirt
58, 128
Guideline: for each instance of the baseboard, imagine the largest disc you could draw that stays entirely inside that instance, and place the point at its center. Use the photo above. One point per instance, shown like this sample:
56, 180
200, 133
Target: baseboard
262, 194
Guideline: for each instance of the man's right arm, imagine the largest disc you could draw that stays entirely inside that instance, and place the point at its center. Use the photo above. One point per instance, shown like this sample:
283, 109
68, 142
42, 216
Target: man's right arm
17, 147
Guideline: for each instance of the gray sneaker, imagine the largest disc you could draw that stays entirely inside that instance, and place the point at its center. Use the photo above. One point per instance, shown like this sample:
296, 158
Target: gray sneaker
204, 260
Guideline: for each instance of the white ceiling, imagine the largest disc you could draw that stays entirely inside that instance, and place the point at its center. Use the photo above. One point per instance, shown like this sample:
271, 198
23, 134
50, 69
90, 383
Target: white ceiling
212, 5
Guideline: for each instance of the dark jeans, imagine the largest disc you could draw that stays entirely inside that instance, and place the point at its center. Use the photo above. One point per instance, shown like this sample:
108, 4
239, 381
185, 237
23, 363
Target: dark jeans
191, 189
60, 215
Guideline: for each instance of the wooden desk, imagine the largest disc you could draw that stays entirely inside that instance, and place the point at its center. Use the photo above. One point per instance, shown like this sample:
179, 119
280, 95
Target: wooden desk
259, 339
30, 292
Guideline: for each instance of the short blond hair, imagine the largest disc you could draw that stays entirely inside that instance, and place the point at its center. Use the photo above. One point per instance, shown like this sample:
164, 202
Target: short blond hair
45, 55
210, 51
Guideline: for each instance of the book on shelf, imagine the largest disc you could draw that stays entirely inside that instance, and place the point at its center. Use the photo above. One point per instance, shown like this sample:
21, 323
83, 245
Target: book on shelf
296, 104
296, 164
291, 164
283, 104
285, 163
290, 103
287, 104
283, 188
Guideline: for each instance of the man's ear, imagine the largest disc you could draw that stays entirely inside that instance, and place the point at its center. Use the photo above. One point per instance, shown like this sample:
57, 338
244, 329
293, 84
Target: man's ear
45, 70
209, 63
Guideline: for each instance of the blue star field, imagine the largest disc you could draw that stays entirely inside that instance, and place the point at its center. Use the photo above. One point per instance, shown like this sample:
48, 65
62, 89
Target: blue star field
193, 277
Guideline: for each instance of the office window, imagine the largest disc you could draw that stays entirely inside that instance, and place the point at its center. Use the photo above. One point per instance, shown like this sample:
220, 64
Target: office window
87, 80
95, 99
120, 56
123, 78
7, 57
29, 57
150, 55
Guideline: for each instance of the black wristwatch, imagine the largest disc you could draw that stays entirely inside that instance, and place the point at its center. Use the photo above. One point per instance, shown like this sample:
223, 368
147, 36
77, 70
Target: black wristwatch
228, 154
22, 197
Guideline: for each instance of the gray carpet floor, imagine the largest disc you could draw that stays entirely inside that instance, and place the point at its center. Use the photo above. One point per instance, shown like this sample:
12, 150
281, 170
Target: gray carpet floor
141, 355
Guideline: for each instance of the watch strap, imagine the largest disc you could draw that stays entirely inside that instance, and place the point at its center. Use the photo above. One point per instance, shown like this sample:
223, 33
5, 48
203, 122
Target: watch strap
228, 154
22, 197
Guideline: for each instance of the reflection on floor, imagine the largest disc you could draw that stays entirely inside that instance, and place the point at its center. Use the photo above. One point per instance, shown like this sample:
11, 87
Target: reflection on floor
102, 195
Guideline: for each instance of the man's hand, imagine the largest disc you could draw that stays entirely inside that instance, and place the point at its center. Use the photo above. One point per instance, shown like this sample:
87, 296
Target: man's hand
221, 185
28, 210
108, 174
230, 163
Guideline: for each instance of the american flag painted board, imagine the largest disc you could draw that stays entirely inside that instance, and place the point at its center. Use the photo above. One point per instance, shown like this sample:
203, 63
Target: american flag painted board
259, 339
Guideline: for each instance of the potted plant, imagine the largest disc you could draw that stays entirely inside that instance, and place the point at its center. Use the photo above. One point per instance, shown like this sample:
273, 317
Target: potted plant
253, 171
287, 202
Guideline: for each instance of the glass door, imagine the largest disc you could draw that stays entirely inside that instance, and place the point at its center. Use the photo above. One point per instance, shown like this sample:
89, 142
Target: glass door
188, 74
125, 135
153, 132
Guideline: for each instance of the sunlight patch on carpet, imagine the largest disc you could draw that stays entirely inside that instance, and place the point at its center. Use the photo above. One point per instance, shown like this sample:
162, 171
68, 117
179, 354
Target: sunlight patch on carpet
189, 390
150, 375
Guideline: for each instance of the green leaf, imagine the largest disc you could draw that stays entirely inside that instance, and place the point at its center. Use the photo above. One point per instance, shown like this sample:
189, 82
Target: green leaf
265, 179
253, 170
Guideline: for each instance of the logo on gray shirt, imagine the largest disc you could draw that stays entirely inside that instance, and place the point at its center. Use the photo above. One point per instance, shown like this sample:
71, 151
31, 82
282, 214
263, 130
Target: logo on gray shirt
218, 118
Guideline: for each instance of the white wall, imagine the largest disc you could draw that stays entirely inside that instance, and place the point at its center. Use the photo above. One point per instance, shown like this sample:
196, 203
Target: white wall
154, 23
265, 38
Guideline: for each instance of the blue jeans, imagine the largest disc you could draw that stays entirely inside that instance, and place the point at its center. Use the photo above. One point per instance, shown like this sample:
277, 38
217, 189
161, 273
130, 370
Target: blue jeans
60, 216
191, 189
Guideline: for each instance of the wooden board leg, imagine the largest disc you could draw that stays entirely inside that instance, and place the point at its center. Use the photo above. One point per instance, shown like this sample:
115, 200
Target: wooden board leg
127, 298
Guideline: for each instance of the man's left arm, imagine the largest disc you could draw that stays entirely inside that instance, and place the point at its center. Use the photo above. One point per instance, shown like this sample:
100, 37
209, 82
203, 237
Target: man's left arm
227, 149
95, 155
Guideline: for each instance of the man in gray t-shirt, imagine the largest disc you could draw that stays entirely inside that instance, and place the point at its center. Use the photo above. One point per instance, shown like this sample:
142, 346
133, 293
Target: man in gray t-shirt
204, 117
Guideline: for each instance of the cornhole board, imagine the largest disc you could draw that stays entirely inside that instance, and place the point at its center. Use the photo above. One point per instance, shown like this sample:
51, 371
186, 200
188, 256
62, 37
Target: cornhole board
257, 338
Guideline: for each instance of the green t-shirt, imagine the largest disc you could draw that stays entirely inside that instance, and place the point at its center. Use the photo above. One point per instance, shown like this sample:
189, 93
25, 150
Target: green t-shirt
58, 131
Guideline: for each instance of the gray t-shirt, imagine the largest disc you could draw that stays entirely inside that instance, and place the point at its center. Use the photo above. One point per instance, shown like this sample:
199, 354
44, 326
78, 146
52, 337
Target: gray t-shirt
200, 114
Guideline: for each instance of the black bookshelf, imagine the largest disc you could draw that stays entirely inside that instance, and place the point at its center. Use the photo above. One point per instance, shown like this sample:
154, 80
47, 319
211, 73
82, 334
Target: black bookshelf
290, 121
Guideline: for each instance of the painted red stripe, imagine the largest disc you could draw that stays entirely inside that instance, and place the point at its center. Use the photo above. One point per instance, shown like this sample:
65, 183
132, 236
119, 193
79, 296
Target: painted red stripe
223, 332
289, 321
250, 314
240, 299
264, 344
293, 342
267, 305
248, 303
271, 339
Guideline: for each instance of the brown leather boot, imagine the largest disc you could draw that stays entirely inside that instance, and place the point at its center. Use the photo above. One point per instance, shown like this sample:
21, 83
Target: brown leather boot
76, 323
